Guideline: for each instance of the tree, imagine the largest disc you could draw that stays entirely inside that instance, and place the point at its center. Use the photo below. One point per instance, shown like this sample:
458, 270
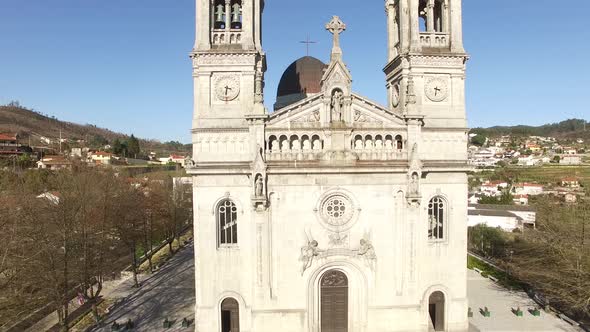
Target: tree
133, 149
555, 258
479, 140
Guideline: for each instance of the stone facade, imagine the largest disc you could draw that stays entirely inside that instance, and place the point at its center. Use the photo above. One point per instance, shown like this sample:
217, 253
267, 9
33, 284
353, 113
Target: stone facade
333, 213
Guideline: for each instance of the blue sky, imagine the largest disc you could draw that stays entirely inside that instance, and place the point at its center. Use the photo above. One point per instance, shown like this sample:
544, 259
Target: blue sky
123, 64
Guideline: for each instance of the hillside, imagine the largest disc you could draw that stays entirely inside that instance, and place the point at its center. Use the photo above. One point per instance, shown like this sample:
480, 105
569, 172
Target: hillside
569, 129
34, 126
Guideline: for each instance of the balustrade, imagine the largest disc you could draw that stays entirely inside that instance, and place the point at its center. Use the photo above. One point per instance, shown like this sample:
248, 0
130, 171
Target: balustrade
434, 39
311, 147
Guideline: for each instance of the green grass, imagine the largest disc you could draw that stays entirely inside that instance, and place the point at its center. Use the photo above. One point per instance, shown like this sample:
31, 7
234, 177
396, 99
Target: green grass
486, 270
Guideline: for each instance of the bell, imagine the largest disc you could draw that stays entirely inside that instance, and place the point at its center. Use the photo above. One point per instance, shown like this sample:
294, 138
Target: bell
236, 21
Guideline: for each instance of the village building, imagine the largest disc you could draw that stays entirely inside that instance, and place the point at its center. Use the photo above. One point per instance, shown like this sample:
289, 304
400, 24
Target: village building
527, 188
507, 217
9, 145
570, 159
101, 158
332, 213
54, 163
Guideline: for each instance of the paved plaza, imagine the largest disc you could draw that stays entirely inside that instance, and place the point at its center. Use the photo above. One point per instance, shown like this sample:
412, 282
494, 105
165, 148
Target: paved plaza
483, 292
169, 293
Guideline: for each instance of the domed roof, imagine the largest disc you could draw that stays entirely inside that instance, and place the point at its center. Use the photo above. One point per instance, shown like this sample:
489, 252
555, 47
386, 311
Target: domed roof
302, 77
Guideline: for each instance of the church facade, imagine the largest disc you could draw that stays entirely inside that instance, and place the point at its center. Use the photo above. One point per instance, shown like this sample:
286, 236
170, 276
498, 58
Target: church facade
332, 213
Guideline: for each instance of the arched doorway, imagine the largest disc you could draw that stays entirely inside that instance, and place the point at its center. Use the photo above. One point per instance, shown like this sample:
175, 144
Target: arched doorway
230, 315
436, 310
334, 302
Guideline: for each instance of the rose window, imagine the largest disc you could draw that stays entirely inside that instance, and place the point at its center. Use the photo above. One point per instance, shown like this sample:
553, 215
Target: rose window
337, 210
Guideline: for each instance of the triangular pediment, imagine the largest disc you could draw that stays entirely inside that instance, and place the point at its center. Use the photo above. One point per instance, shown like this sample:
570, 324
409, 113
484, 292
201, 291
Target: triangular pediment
304, 112
308, 113
368, 113
336, 73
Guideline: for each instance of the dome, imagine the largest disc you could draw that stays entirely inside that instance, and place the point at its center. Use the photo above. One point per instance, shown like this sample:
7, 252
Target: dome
301, 79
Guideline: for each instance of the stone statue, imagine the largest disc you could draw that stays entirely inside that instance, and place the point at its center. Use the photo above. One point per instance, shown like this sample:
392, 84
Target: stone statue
236, 12
308, 252
337, 106
220, 11
415, 185
189, 163
367, 251
259, 186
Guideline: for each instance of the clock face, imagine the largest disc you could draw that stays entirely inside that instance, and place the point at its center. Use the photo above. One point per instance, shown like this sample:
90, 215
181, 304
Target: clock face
436, 89
227, 87
395, 96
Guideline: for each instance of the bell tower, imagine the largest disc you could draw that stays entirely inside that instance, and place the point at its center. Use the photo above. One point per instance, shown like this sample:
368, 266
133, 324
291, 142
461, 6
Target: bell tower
228, 63
425, 73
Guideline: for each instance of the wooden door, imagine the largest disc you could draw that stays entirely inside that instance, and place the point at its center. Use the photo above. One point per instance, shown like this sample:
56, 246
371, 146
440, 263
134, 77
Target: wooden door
334, 302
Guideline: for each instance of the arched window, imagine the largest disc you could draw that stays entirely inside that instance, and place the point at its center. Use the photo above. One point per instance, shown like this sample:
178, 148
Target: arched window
227, 218
436, 218
230, 315
399, 143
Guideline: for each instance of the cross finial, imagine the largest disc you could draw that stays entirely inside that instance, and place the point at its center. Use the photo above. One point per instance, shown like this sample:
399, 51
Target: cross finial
307, 42
336, 27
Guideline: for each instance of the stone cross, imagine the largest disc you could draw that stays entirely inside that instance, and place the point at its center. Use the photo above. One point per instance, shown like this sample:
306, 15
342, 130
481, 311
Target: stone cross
336, 27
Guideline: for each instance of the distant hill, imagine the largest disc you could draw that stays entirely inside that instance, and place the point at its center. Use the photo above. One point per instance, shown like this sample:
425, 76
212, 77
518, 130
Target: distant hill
568, 129
37, 127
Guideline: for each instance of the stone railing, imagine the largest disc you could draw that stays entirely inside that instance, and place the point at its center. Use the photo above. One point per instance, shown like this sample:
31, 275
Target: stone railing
224, 37
434, 39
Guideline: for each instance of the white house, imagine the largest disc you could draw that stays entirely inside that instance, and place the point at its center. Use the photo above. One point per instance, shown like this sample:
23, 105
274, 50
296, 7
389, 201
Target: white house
526, 188
507, 217
570, 159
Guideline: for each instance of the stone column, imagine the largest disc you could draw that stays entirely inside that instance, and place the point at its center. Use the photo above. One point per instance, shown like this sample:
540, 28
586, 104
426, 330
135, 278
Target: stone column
430, 16
414, 27
203, 29
404, 23
248, 14
227, 19
391, 29
456, 29
446, 16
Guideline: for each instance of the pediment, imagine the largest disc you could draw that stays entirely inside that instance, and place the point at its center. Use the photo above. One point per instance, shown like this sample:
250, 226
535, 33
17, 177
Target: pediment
303, 113
368, 113
308, 114
336, 73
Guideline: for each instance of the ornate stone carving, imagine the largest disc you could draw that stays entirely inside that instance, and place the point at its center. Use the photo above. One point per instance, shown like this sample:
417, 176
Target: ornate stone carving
189, 163
223, 59
367, 251
362, 117
336, 106
334, 279
395, 95
437, 61
259, 181
309, 118
337, 210
415, 173
338, 239
308, 253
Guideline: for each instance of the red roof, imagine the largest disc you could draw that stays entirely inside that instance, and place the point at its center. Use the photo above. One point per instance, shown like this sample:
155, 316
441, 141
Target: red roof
570, 179
175, 156
7, 137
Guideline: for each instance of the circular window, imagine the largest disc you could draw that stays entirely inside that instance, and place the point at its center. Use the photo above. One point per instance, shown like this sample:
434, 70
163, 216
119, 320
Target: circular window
337, 210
